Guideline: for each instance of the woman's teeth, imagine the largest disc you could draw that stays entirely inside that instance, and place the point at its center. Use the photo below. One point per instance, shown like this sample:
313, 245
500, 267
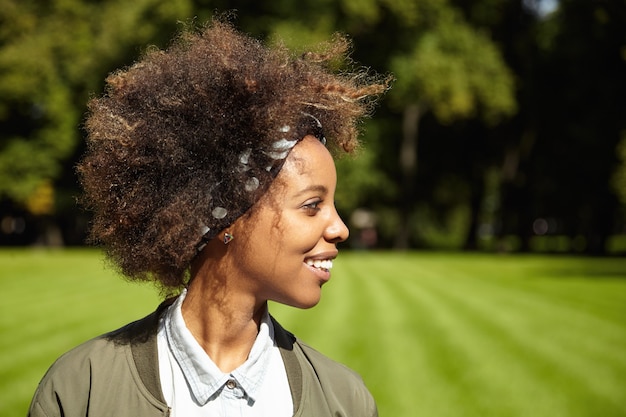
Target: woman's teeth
320, 264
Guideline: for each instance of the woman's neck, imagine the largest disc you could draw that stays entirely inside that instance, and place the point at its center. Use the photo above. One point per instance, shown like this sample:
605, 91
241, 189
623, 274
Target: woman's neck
223, 319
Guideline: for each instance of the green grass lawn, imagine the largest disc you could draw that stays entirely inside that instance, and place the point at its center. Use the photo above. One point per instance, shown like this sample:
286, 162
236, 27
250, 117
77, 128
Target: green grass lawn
432, 334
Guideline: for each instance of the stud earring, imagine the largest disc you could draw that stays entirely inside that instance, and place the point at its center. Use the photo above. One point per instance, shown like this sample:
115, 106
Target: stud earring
228, 238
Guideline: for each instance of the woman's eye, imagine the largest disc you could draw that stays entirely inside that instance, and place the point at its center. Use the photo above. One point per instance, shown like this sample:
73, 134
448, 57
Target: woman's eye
312, 208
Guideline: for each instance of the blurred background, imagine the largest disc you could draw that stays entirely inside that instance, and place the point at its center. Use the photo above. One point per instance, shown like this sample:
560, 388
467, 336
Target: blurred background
504, 131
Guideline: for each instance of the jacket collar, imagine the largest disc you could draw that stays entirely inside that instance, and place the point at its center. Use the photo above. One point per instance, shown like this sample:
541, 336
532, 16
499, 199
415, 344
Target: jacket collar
142, 337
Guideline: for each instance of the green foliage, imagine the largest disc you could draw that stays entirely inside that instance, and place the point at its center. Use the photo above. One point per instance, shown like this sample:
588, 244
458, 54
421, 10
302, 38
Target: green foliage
359, 180
456, 71
298, 36
368, 11
495, 85
53, 55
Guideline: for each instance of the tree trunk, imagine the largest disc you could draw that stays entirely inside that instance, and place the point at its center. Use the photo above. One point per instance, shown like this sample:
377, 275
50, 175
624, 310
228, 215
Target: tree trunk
516, 215
476, 203
408, 166
602, 224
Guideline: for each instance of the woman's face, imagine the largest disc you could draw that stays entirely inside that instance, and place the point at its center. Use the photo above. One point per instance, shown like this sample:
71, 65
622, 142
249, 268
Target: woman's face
284, 249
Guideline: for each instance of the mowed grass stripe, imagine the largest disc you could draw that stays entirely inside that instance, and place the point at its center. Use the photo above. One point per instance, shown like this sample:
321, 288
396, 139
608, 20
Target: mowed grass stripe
399, 376
470, 310
75, 306
594, 284
347, 326
444, 348
457, 350
558, 325
432, 334
495, 341
496, 346
54, 301
548, 359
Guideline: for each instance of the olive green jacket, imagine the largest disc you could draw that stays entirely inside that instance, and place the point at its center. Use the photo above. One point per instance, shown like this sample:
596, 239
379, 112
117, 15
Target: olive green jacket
117, 374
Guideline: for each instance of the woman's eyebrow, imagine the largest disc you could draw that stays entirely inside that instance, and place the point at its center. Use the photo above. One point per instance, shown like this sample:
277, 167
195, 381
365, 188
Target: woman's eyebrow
312, 188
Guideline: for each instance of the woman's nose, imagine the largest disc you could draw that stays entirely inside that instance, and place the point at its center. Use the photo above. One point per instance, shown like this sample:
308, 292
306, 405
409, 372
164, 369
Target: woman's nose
337, 231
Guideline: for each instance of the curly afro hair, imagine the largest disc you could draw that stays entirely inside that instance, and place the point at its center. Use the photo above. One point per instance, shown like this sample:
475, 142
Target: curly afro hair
187, 139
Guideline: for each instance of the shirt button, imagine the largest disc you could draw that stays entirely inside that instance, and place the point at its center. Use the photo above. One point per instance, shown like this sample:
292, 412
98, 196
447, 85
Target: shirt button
231, 383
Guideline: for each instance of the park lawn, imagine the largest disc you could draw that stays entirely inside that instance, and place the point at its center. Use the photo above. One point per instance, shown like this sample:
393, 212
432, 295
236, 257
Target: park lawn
432, 334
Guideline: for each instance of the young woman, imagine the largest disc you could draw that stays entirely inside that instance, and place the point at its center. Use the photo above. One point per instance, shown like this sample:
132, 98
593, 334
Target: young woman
209, 171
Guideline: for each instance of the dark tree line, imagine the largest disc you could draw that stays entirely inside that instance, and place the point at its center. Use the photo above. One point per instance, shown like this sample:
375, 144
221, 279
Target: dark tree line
505, 123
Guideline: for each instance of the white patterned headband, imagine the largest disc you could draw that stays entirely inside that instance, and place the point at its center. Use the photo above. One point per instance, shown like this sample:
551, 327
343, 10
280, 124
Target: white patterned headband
274, 157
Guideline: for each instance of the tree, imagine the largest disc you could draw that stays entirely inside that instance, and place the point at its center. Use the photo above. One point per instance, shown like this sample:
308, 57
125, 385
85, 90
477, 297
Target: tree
583, 116
454, 71
619, 178
53, 55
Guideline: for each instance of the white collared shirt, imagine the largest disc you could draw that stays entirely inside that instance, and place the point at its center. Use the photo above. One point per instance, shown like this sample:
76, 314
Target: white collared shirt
193, 385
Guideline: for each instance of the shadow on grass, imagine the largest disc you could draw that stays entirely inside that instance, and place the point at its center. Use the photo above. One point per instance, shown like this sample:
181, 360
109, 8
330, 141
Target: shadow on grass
589, 268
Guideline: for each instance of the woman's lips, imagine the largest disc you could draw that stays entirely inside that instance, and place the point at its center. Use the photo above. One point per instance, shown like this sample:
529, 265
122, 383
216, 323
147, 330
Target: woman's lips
321, 268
